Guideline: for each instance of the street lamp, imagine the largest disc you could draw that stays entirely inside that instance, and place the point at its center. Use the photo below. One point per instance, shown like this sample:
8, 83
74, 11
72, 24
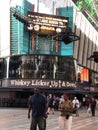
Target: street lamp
94, 57
67, 36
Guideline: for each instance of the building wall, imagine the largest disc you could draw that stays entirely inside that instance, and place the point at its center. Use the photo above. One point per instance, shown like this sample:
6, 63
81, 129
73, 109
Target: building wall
20, 40
67, 12
88, 42
89, 36
6, 94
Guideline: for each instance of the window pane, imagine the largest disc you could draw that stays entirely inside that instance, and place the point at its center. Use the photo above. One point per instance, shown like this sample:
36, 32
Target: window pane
39, 66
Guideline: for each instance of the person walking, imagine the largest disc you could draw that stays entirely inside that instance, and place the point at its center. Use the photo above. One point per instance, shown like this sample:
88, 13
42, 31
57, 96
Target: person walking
93, 106
76, 105
88, 101
38, 105
66, 109
51, 102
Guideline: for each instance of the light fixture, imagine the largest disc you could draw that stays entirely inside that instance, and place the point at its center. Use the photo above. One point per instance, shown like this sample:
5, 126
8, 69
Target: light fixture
94, 57
58, 30
66, 36
30, 27
36, 27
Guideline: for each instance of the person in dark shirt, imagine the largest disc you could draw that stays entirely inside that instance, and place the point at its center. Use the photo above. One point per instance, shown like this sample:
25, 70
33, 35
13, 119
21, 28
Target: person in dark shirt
38, 105
93, 106
50, 103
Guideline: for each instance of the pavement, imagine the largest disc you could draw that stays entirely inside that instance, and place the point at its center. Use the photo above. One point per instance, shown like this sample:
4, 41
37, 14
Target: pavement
16, 119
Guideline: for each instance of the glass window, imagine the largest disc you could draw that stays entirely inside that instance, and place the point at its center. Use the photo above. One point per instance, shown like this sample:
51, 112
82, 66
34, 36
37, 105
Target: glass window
39, 66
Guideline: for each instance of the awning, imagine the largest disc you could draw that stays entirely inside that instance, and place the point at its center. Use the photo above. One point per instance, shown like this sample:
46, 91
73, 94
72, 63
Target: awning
78, 91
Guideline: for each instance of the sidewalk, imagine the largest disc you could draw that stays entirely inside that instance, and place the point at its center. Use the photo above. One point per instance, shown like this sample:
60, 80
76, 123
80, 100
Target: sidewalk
16, 119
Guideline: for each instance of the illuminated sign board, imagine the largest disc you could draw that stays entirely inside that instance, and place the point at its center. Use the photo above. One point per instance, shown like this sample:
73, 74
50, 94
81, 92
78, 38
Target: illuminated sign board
30, 83
45, 23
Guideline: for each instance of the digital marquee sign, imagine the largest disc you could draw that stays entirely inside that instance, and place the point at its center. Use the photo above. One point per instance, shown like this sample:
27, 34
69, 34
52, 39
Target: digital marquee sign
45, 23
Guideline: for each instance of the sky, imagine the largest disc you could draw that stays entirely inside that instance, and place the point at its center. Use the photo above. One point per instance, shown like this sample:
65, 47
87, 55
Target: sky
42, 7
4, 27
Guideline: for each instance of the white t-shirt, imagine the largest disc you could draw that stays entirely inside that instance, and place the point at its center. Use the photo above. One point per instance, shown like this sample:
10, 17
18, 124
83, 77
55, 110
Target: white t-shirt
76, 102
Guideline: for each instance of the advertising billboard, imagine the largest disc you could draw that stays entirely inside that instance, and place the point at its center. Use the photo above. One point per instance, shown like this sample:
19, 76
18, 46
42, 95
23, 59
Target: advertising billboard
46, 23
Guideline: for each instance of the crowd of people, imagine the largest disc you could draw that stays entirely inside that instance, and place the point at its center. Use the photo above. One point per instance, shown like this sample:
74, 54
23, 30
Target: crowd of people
42, 105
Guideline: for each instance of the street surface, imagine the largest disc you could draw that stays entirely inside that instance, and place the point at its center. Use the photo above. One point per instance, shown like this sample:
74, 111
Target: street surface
16, 119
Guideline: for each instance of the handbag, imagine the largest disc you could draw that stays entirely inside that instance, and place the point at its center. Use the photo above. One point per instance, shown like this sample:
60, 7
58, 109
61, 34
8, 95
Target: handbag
88, 110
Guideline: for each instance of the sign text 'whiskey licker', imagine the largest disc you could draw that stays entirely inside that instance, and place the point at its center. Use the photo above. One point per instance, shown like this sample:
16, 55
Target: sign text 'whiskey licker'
38, 82
45, 23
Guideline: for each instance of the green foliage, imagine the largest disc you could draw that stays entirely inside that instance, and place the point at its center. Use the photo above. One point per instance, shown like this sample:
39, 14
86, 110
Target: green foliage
82, 4
79, 4
88, 1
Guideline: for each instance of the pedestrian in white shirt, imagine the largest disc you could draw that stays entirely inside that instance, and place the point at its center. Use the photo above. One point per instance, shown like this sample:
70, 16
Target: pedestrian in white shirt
76, 105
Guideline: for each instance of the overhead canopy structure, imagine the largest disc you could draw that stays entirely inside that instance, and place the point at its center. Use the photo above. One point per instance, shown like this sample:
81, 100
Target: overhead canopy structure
89, 9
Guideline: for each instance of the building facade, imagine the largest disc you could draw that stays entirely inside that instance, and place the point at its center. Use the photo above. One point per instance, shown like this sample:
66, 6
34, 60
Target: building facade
34, 59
